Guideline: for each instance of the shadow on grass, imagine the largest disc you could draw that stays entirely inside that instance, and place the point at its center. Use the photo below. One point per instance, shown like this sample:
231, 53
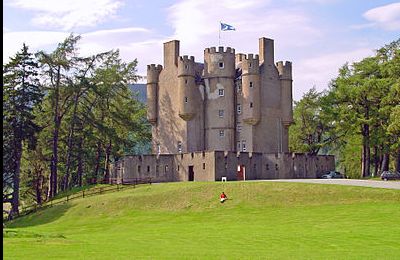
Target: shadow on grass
42, 216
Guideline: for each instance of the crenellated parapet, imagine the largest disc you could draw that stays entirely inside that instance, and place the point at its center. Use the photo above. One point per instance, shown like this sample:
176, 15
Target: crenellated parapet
153, 73
219, 62
186, 66
251, 65
284, 70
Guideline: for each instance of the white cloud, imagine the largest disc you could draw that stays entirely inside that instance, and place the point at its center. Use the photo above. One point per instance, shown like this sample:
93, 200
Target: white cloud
12, 41
386, 17
69, 14
198, 29
320, 70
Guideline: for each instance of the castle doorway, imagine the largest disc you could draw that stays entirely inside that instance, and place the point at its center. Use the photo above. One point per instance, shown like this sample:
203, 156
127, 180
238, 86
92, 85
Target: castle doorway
241, 173
191, 173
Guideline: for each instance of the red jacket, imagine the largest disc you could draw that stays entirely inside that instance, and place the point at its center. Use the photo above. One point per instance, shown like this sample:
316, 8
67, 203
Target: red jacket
223, 196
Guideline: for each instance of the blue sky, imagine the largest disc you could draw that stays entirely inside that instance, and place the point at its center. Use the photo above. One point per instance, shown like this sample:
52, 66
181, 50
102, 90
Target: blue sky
318, 36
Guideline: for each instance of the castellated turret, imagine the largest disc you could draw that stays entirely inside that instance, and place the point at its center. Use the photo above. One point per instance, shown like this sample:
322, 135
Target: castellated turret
285, 76
186, 87
153, 73
219, 75
251, 89
238, 103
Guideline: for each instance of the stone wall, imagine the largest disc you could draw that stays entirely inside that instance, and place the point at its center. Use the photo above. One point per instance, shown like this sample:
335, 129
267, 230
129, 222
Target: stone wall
212, 166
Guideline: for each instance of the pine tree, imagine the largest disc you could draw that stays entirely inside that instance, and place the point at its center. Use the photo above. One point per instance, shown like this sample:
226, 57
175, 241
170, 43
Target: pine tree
21, 93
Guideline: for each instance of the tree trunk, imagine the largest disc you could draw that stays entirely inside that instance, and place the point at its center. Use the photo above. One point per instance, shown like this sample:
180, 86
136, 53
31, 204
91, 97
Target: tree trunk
376, 160
385, 162
80, 163
39, 186
57, 123
366, 153
107, 161
16, 179
98, 156
70, 143
398, 160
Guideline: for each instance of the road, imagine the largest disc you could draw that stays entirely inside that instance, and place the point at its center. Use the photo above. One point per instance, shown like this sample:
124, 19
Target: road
350, 182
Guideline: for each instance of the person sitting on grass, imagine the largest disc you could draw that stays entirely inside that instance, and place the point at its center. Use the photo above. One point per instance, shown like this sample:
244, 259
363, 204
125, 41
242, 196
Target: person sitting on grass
223, 197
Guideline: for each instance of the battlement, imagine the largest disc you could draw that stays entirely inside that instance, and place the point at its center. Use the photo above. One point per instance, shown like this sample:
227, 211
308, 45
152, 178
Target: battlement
153, 72
186, 58
221, 49
154, 67
186, 66
250, 64
284, 70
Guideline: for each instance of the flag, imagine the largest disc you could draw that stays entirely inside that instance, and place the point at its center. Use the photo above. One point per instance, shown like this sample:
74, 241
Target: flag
227, 27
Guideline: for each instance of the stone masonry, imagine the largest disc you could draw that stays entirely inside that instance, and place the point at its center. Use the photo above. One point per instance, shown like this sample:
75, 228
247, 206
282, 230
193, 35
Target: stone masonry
226, 117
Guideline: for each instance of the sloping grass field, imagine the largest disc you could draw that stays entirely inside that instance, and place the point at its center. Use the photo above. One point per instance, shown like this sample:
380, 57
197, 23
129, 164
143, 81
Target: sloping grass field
260, 220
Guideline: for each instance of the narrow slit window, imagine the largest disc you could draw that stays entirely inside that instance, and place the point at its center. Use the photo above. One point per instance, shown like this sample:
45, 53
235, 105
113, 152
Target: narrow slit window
251, 104
221, 113
221, 92
186, 99
251, 84
221, 65
221, 133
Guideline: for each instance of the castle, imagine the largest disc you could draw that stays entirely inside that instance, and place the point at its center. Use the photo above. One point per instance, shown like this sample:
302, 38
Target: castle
226, 117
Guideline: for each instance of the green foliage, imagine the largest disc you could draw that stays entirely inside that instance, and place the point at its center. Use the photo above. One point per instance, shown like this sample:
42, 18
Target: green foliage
186, 221
21, 94
87, 118
358, 115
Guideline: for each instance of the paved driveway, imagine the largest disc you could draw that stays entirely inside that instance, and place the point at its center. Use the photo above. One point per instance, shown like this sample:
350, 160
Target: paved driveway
365, 183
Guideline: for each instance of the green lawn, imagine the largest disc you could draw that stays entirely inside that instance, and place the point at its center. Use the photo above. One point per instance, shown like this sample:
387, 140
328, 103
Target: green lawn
261, 220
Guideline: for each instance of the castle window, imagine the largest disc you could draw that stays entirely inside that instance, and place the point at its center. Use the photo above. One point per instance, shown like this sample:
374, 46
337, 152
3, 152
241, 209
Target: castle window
204, 166
221, 133
221, 113
221, 92
166, 168
186, 99
148, 168
251, 104
244, 146
221, 65
238, 127
178, 168
158, 148
186, 67
179, 147
186, 81
250, 65
267, 167
239, 108
138, 169
251, 84
238, 145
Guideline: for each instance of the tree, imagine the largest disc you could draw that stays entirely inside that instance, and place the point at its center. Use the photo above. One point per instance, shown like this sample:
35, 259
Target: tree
21, 93
307, 134
56, 69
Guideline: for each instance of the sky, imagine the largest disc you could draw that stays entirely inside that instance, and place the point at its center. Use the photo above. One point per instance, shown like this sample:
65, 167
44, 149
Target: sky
318, 36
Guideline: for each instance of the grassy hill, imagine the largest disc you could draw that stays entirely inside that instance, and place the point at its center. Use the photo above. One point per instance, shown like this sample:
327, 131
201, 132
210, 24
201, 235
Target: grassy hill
186, 221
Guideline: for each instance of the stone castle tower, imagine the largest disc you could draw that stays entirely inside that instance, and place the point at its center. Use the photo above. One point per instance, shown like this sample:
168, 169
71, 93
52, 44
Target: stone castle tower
231, 102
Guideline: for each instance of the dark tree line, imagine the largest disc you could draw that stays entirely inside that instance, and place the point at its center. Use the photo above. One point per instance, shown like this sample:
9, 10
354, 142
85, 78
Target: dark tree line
357, 118
65, 119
